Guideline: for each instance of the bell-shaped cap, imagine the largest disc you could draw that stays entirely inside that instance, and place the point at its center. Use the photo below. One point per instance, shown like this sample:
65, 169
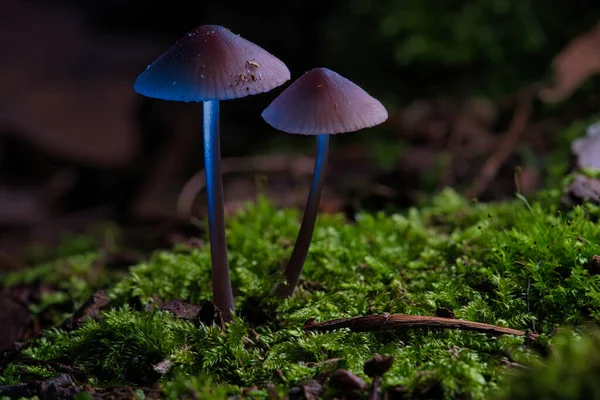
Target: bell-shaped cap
211, 63
323, 102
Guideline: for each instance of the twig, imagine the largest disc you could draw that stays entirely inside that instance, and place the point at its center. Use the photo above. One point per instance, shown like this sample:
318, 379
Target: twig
295, 165
509, 142
402, 321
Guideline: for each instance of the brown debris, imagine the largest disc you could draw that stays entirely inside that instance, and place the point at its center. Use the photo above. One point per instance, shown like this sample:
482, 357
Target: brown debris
582, 189
121, 393
329, 361
90, 310
61, 387
23, 329
586, 149
182, 309
510, 141
15, 318
593, 265
205, 313
312, 390
585, 152
444, 312
402, 321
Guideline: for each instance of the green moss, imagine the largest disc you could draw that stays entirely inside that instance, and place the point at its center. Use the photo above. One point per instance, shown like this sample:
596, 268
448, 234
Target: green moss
70, 273
70, 280
521, 264
571, 372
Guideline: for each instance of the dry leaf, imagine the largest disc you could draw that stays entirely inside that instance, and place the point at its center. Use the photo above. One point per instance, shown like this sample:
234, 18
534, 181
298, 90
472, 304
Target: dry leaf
575, 63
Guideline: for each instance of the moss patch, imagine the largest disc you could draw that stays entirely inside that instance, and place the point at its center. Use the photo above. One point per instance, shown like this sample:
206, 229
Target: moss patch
569, 373
521, 264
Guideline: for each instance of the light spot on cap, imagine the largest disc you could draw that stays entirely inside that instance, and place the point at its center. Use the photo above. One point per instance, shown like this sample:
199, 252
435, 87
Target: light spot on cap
229, 57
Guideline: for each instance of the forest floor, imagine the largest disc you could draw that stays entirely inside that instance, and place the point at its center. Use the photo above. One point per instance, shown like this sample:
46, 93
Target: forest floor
110, 321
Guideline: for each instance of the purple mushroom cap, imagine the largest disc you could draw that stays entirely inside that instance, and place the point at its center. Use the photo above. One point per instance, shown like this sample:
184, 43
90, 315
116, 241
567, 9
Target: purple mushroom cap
211, 63
323, 102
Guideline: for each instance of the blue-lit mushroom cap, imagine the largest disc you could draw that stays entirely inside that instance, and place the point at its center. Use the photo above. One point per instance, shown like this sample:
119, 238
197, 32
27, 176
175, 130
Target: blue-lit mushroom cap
211, 63
323, 102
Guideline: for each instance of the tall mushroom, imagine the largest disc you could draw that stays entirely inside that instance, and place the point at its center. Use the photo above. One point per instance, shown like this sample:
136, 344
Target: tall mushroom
207, 65
321, 102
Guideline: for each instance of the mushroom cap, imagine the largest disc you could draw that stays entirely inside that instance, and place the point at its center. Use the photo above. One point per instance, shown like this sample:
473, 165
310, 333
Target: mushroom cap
211, 63
323, 102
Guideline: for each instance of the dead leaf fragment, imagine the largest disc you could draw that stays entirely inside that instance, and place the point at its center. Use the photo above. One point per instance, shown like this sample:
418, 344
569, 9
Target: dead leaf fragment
573, 65
586, 149
90, 310
582, 189
182, 309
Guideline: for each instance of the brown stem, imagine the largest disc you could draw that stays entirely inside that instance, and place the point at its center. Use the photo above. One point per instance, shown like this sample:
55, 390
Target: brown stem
510, 141
374, 394
296, 262
221, 281
402, 321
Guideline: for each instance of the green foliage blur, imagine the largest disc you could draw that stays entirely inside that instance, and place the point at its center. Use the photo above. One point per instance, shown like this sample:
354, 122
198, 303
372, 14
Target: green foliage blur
570, 373
486, 46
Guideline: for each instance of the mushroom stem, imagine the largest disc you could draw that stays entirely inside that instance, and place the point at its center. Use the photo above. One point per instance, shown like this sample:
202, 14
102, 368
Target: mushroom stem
222, 293
374, 394
296, 262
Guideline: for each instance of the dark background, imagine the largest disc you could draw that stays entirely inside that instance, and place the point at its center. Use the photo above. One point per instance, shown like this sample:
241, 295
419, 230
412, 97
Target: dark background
79, 146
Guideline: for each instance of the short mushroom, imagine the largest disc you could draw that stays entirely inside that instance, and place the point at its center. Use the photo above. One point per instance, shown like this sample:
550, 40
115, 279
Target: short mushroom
207, 65
375, 368
321, 103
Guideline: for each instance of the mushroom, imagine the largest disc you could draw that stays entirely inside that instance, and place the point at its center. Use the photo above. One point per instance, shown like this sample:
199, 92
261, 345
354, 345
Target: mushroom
321, 103
375, 368
207, 65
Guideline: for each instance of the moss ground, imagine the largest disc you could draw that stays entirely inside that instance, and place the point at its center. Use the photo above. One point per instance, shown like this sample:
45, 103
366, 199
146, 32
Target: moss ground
524, 264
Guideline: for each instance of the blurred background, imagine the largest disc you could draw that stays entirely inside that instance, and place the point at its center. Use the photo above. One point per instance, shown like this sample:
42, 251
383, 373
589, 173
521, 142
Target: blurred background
479, 93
